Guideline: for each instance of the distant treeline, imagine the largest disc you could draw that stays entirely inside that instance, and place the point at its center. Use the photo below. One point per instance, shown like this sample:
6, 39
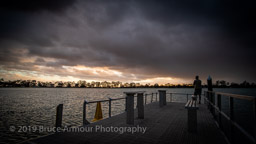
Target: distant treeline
105, 84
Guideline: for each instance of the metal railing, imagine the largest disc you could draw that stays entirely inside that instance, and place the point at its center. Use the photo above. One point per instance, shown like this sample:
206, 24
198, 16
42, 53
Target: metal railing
214, 101
172, 94
153, 97
85, 122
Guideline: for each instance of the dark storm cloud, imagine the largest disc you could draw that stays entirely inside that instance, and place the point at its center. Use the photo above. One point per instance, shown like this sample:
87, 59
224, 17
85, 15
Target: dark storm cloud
147, 38
235, 17
16, 14
35, 5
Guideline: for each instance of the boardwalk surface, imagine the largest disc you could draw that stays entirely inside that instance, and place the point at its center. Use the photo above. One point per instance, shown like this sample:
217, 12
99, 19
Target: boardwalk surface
164, 125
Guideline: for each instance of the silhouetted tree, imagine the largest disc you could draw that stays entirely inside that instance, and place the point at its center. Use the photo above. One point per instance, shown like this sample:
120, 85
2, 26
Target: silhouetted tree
234, 85
245, 84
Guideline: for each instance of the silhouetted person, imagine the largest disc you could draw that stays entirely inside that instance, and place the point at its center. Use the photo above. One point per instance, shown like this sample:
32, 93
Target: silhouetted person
198, 88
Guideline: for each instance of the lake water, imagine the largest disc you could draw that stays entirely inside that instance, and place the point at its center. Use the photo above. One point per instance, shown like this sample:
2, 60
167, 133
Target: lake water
37, 106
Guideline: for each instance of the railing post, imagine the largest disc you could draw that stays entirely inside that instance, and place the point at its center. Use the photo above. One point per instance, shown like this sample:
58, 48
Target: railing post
162, 97
126, 103
208, 98
210, 95
219, 106
152, 98
156, 96
209, 83
85, 122
59, 115
192, 120
231, 116
165, 98
187, 97
231, 107
140, 105
145, 99
204, 97
130, 108
109, 107
211, 101
214, 104
254, 117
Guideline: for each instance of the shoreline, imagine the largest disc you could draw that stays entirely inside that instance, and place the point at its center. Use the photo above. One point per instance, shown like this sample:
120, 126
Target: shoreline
131, 87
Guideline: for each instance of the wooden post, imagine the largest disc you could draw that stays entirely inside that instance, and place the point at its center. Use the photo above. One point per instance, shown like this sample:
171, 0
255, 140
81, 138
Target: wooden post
187, 97
231, 108
231, 116
213, 95
209, 83
145, 99
126, 103
130, 108
209, 100
207, 94
109, 107
152, 98
59, 115
204, 97
219, 106
156, 96
140, 105
192, 120
254, 117
85, 122
162, 97
210, 94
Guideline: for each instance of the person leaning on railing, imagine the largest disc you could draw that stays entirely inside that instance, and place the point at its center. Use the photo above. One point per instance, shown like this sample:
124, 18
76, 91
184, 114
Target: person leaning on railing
198, 88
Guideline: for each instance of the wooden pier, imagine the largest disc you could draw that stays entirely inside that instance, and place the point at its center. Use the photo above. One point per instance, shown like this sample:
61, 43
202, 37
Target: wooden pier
167, 124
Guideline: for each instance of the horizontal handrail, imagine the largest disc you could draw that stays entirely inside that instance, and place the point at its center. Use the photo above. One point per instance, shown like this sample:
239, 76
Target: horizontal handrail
180, 93
245, 97
97, 101
113, 99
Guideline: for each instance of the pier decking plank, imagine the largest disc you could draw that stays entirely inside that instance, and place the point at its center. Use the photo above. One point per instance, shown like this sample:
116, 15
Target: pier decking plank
164, 125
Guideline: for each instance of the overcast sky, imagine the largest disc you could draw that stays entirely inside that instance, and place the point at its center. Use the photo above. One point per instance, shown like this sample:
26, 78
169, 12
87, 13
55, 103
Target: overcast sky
133, 40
